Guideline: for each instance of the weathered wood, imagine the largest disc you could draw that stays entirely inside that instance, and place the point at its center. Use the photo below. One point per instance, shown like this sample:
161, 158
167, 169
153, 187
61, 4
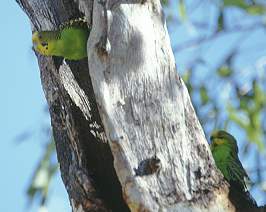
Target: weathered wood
86, 162
158, 148
147, 113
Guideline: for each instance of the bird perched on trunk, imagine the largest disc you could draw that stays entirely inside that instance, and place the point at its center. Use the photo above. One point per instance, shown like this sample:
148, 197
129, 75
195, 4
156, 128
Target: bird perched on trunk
225, 153
69, 41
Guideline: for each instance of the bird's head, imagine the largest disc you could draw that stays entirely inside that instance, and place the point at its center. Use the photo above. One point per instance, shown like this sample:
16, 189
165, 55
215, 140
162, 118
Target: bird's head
223, 138
40, 41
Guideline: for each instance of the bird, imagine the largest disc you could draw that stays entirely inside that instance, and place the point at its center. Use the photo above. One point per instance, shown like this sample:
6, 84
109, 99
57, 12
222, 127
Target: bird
225, 153
69, 41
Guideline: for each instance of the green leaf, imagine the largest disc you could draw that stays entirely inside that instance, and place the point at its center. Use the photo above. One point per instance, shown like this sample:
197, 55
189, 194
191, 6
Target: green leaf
252, 9
224, 71
187, 79
204, 95
220, 24
42, 175
182, 10
165, 2
238, 3
256, 10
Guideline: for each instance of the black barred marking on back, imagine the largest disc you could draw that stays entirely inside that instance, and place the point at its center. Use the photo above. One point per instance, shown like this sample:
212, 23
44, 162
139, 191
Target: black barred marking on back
78, 22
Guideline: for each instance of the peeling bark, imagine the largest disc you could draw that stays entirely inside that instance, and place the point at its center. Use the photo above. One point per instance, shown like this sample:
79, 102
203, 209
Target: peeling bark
126, 132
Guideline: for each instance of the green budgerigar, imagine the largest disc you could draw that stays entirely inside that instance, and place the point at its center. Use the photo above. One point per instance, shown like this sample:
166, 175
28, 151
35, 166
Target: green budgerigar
69, 41
225, 153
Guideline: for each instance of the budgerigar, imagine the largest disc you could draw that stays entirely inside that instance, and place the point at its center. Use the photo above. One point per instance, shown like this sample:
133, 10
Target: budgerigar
225, 153
69, 41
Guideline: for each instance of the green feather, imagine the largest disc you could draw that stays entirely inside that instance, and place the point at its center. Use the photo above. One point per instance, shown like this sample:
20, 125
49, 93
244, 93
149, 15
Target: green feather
69, 41
225, 153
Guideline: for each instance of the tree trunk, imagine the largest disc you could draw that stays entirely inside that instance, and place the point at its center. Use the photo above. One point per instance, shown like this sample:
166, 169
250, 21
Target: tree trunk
127, 136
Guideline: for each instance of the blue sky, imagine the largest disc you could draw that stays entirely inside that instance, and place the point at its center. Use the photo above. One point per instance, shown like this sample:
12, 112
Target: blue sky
23, 106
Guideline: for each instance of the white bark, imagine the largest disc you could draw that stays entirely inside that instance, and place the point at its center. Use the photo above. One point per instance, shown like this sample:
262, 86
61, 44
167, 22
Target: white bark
147, 112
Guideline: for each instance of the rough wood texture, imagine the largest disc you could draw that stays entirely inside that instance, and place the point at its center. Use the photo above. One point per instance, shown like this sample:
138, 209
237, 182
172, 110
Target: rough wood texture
160, 153
159, 150
86, 162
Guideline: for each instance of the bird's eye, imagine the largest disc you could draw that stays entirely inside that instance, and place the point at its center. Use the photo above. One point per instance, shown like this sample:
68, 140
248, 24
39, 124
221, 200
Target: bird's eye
44, 44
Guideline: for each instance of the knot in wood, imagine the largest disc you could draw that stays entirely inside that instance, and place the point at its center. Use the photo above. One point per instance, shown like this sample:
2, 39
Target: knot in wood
148, 166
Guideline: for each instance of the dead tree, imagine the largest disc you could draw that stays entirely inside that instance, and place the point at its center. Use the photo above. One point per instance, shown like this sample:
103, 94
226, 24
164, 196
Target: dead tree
127, 136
